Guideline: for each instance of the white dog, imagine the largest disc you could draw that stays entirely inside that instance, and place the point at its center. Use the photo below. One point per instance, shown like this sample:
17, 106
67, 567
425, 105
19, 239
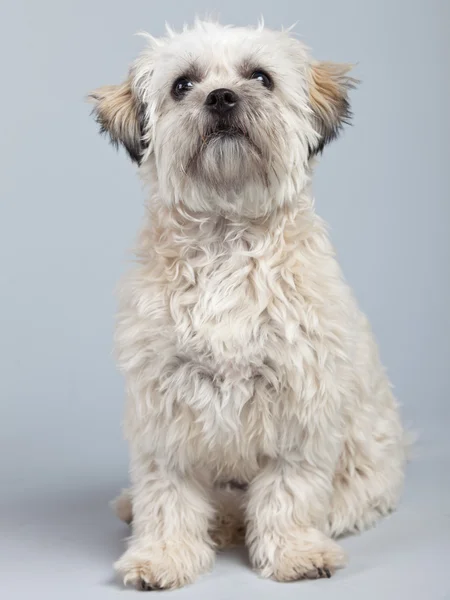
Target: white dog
251, 374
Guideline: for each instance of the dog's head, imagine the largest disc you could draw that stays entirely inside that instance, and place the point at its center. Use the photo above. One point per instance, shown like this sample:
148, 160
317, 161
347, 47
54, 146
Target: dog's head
226, 118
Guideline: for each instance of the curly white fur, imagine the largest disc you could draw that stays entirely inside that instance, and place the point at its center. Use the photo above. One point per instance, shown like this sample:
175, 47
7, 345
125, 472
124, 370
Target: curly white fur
245, 355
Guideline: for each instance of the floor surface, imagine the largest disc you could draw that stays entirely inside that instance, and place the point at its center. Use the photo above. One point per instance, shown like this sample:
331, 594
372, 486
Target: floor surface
60, 543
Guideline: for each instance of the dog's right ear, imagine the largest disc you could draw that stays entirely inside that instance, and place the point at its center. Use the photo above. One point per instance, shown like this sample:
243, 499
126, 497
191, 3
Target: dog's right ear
121, 115
328, 92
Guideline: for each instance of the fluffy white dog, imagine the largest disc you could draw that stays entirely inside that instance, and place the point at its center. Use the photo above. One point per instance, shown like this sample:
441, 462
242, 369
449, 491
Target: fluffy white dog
251, 374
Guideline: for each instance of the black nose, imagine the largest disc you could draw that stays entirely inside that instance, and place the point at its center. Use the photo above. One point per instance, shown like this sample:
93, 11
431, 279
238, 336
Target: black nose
221, 101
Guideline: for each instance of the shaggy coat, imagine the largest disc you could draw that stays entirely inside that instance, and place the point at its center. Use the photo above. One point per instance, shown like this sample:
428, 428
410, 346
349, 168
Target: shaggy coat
256, 401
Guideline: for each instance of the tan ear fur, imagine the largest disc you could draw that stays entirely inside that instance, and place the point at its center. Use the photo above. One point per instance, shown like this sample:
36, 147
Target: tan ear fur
328, 93
120, 114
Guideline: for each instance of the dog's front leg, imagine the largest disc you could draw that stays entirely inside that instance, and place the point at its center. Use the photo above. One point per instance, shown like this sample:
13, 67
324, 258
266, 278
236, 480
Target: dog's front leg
169, 546
287, 505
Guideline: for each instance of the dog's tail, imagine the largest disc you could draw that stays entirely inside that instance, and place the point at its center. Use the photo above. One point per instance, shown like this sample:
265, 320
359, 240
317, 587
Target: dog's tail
226, 530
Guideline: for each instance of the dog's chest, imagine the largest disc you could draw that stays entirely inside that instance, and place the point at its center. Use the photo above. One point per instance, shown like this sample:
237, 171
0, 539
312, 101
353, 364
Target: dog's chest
234, 341
235, 312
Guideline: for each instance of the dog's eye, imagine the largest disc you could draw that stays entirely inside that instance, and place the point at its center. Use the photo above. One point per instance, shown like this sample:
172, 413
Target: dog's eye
181, 86
263, 78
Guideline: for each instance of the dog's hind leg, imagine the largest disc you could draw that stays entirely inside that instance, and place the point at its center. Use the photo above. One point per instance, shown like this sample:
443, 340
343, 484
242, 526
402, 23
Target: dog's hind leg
228, 527
122, 506
366, 488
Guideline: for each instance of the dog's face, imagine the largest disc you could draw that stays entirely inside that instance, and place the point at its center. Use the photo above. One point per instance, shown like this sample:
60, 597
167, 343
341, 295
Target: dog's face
226, 119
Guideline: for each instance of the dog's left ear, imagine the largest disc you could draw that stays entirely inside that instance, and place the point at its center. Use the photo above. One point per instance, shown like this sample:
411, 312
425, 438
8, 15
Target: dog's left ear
120, 115
328, 96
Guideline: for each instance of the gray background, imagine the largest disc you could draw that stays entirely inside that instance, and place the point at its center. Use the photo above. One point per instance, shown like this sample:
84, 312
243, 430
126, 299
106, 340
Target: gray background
70, 207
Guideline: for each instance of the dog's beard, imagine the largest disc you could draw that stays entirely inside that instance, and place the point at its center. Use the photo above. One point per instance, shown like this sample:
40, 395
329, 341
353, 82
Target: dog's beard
229, 167
226, 158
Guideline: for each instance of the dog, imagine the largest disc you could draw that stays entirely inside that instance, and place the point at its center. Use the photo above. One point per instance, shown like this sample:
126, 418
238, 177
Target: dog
257, 406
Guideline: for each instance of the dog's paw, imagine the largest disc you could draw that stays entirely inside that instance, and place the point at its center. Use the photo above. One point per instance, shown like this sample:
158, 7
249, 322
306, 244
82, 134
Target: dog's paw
164, 566
308, 554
